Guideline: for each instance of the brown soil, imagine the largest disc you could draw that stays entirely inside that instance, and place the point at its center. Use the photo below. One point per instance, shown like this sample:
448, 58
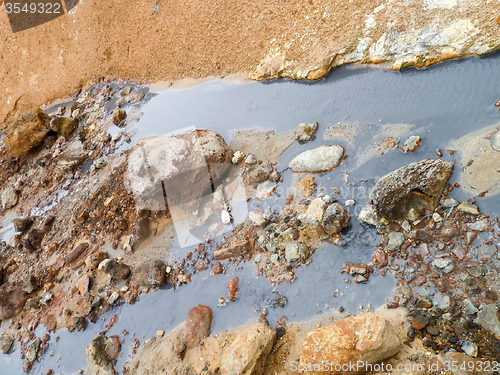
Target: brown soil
126, 40
155, 40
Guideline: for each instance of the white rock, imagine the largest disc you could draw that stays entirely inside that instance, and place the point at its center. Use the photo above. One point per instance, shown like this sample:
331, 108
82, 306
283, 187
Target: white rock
350, 202
315, 211
369, 215
292, 252
238, 157
250, 160
225, 217
318, 160
436, 217
113, 298
257, 218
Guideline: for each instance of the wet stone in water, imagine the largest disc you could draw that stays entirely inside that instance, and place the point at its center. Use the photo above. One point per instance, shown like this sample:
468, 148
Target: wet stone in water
319, 160
305, 132
6, 342
280, 301
198, 322
112, 347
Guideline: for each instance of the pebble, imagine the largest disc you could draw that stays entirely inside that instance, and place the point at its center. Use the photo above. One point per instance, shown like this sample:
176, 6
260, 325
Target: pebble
292, 252
469, 307
6, 342
350, 202
468, 208
412, 143
449, 202
118, 116
369, 215
437, 217
442, 301
179, 347
250, 160
432, 330
238, 157
419, 321
280, 301
225, 217
480, 225
318, 160
274, 176
100, 163
46, 297
112, 347
160, 333
441, 263
488, 319
469, 348
113, 298
396, 239
257, 218
305, 132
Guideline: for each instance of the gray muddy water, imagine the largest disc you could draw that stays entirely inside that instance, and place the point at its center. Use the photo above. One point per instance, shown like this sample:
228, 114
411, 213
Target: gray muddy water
440, 103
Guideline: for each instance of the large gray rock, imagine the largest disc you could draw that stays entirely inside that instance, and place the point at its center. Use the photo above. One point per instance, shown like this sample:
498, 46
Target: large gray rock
418, 184
248, 352
336, 218
318, 160
12, 300
97, 358
181, 167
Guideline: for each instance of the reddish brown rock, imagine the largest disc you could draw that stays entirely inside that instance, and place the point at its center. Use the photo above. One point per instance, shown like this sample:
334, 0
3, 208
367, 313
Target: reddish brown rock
12, 300
198, 322
232, 287
217, 268
72, 259
380, 258
238, 245
367, 338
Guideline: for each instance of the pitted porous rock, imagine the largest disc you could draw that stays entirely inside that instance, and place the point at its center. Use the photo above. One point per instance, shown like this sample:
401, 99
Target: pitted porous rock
418, 184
